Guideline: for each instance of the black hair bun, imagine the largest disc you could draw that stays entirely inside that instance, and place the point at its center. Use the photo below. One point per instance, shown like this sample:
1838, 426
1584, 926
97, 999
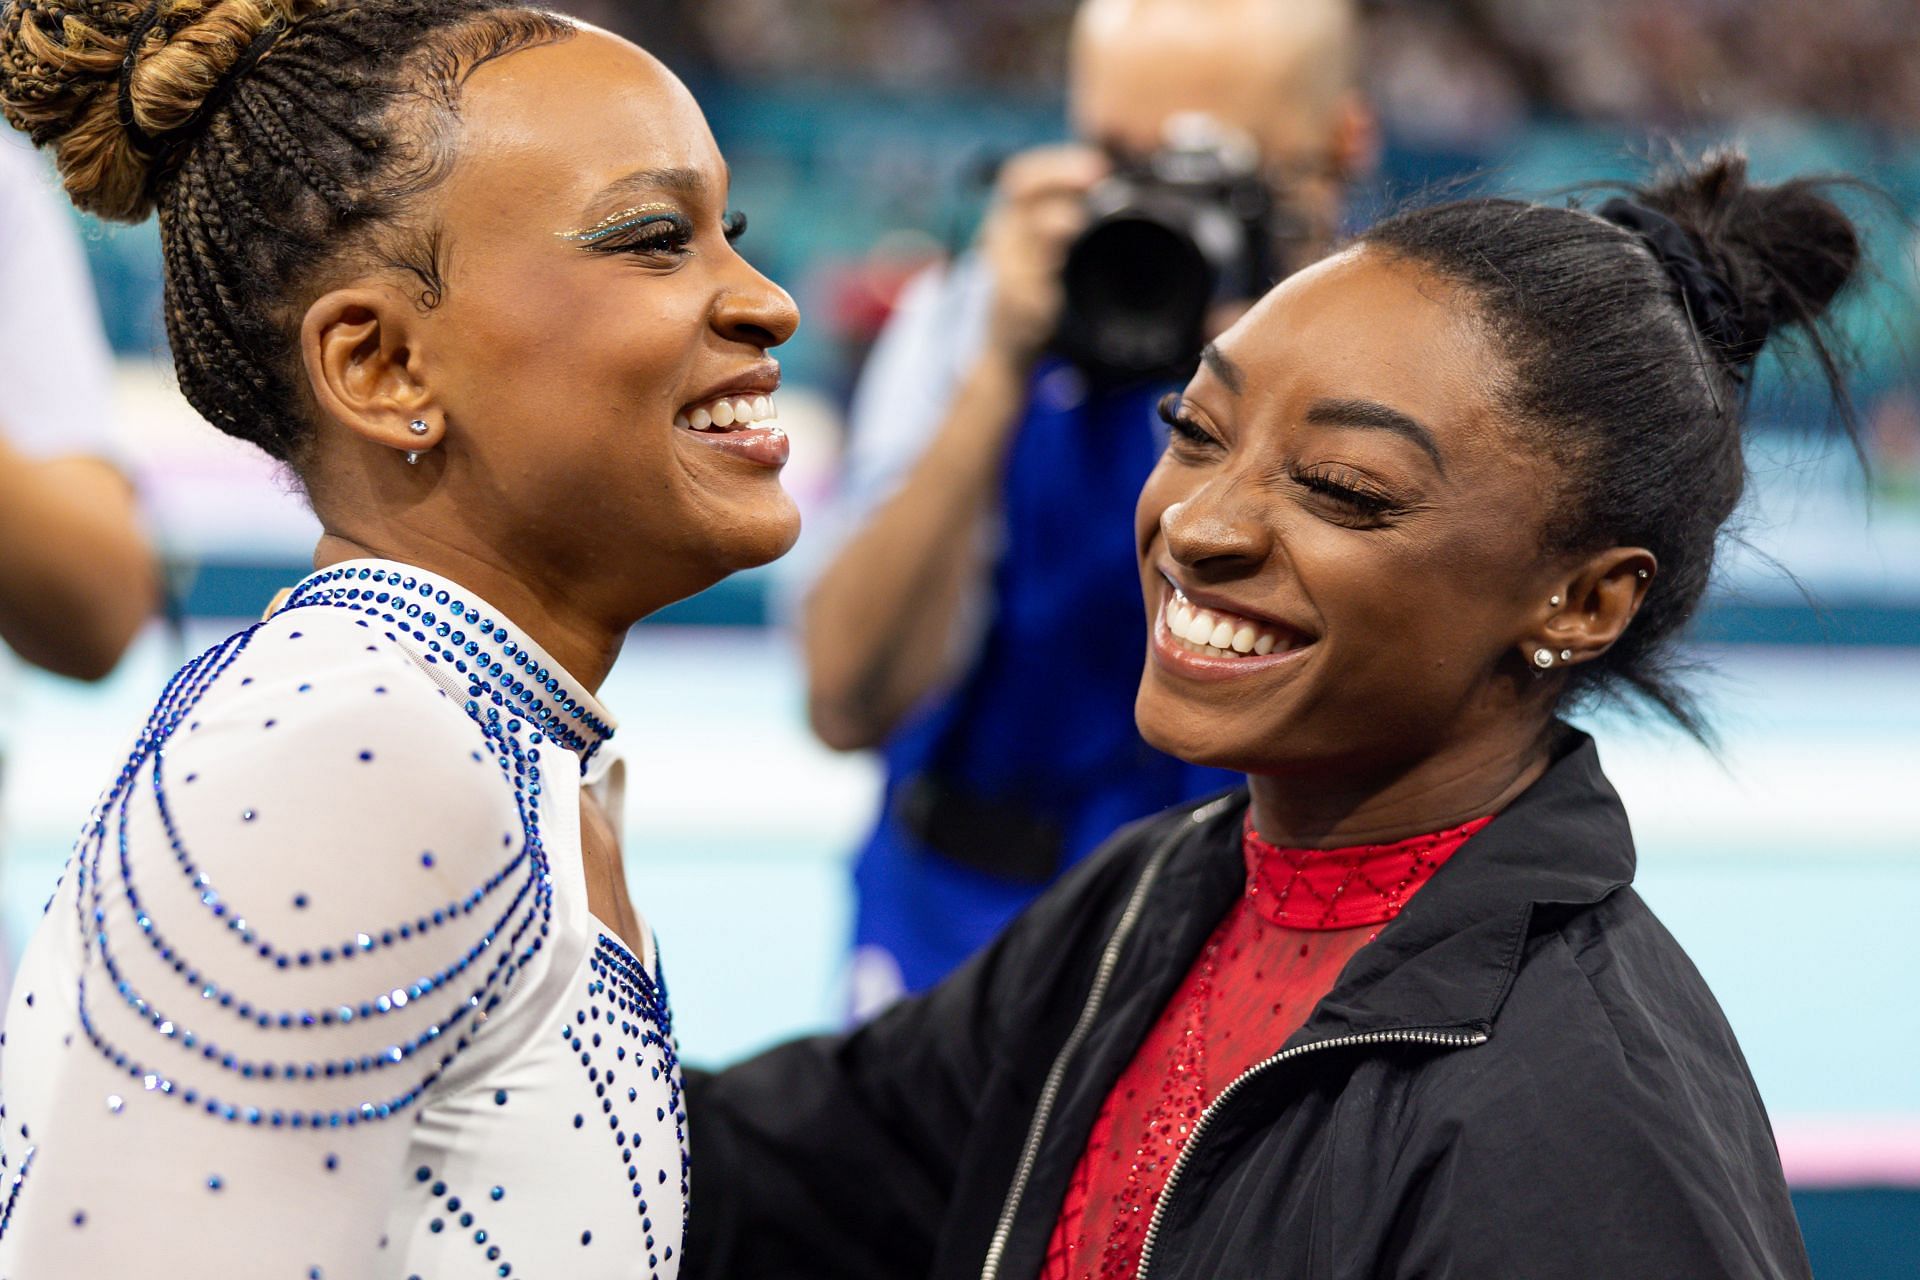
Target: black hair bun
1785, 251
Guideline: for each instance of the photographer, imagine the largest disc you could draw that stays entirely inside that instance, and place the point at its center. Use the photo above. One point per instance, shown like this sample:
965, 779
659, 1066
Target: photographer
981, 622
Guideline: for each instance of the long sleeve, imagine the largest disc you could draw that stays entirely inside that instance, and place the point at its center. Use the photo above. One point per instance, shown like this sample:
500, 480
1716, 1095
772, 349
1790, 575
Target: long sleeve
300, 903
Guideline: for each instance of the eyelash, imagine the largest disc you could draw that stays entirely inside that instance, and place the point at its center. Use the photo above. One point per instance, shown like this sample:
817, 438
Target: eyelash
1362, 502
1173, 411
675, 233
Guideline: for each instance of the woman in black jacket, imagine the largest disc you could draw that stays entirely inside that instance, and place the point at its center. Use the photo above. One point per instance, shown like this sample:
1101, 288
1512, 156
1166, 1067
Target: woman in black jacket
1395, 1009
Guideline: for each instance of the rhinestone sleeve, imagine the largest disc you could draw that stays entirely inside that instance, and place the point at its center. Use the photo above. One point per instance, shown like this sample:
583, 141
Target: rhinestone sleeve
308, 891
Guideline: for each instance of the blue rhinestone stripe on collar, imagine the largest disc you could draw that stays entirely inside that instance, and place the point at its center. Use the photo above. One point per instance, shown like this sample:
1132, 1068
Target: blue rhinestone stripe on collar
506, 673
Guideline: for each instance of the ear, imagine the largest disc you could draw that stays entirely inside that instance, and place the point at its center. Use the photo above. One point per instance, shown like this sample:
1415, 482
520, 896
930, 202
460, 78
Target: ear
364, 364
1355, 150
1582, 620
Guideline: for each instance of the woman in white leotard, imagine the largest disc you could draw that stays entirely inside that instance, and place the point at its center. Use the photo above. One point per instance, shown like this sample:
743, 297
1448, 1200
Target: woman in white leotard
342, 978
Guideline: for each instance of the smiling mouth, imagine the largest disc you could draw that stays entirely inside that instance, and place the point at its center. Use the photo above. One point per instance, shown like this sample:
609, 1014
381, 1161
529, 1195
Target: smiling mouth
1210, 632
728, 413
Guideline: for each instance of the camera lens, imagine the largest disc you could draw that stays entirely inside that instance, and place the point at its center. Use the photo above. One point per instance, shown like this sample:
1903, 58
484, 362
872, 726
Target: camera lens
1138, 289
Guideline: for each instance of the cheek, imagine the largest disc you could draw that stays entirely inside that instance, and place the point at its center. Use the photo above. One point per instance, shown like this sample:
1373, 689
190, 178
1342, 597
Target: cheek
589, 349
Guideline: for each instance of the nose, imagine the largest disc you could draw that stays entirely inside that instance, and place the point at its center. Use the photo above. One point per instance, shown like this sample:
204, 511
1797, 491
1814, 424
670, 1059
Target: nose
754, 310
1213, 535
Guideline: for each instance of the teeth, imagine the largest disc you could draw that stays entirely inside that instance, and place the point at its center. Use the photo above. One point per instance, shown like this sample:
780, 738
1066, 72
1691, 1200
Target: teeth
729, 411
1217, 635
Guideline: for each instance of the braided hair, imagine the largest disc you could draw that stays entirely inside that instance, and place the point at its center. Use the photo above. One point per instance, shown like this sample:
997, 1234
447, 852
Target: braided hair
1632, 358
282, 142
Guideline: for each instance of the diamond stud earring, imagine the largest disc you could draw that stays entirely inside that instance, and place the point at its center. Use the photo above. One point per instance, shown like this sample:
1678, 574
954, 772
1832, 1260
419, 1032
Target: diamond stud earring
1543, 658
419, 426
1566, 655
1555, 602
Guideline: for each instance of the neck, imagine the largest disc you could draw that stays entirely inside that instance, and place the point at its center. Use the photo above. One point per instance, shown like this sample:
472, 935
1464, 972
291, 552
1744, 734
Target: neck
584, 644
1339, 808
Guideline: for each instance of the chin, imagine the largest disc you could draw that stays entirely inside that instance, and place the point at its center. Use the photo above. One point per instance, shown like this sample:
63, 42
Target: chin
1181, 729
759, 537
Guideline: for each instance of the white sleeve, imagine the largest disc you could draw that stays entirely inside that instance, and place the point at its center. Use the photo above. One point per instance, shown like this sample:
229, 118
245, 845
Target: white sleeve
56, 372
298, 914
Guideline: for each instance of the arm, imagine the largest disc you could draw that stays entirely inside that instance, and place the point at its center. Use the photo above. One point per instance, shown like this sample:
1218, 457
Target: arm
310, 846
879, 625
843, 1155
77, 578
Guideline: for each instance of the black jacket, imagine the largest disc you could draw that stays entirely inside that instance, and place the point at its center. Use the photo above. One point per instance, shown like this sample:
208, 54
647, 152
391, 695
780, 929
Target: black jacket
1523, 1076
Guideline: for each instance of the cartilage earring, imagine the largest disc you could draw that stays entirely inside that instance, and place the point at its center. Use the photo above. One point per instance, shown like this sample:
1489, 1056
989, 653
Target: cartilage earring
1642, 574
1543, 658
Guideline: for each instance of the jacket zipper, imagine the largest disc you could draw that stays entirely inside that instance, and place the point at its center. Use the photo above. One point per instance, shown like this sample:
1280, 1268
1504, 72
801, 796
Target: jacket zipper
1056, 1076
1451, 1039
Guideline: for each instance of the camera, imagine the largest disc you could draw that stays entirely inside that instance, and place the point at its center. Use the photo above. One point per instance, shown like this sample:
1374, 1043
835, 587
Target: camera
1170, 235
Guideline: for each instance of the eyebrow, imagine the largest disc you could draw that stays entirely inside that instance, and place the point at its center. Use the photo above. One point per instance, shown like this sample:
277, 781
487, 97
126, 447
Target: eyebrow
1367, 413
1224, 369
683, 182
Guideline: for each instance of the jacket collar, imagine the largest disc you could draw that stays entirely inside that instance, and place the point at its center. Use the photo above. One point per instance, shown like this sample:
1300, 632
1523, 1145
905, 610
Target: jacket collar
1448, 959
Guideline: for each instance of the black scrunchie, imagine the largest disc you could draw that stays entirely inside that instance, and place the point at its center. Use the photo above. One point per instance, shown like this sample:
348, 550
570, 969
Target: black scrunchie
1711, 303
183, 133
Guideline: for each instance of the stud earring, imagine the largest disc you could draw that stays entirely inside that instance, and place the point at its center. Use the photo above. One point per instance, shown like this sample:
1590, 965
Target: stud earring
1642, 573
419, 427
1555, 602
1543, 658
1566, 655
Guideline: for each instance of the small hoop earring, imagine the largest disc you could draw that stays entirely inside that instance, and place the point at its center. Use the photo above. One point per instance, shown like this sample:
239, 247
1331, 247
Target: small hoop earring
419, 426
1543, 658
413, 459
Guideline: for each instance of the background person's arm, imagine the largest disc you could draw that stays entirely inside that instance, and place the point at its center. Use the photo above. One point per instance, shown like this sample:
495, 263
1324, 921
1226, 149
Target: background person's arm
77, 577
879, 624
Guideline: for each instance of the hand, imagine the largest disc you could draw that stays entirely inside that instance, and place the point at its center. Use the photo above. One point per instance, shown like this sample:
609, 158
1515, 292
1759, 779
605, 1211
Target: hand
1039, 207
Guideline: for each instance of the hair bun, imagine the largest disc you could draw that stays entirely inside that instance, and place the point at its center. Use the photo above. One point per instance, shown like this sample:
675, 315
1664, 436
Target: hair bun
62, 68
1785, 251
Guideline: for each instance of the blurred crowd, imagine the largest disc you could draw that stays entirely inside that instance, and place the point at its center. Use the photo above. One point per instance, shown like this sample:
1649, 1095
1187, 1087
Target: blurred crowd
1458, 68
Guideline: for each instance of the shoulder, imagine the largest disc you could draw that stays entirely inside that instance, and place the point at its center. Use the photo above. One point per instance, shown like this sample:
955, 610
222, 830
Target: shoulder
1611, 1046
317, 721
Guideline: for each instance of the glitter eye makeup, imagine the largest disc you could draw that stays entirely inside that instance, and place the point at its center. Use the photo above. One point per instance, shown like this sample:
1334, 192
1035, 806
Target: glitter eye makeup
625, 220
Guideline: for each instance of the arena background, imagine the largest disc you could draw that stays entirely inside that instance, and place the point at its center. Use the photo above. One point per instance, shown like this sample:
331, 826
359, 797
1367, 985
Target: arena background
860, 133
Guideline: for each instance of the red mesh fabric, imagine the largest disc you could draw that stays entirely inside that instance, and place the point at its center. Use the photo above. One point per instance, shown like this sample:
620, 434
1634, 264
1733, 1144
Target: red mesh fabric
1277, 952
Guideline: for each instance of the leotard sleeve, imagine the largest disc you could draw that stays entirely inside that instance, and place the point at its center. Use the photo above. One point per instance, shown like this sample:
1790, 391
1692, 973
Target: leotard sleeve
303, 899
